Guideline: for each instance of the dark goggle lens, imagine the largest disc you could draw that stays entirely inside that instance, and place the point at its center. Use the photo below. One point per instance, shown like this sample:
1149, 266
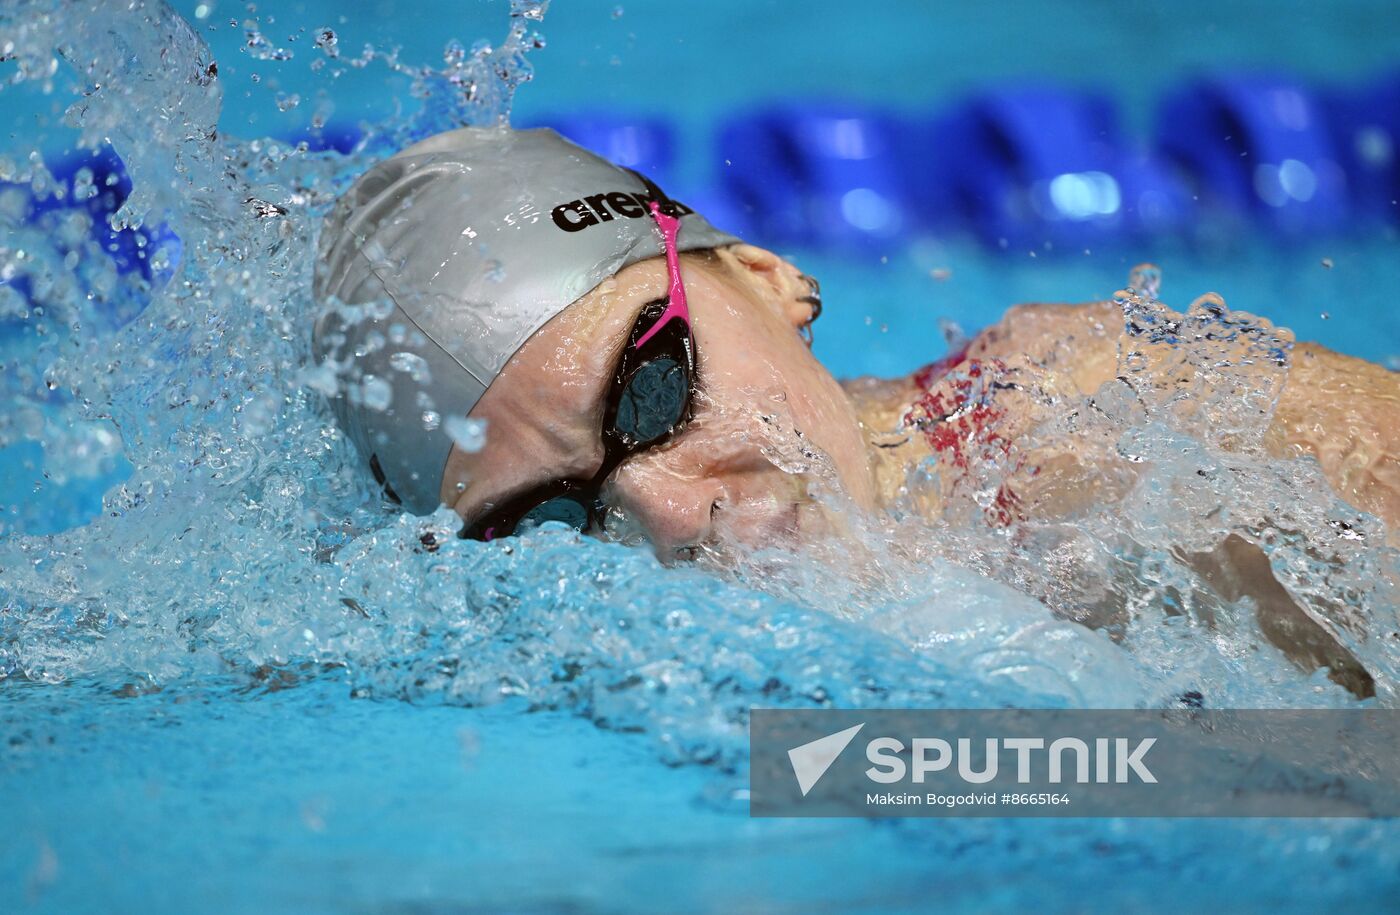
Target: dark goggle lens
653, 402
566, 509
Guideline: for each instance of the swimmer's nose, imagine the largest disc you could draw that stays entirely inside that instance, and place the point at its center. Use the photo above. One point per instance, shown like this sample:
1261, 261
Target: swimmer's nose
674, 505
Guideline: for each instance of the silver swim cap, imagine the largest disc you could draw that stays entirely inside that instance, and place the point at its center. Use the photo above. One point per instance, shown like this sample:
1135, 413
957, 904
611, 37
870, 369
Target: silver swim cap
457, 250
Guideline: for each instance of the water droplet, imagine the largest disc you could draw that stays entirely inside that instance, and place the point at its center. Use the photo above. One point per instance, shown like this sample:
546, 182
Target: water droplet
414, 365
1146, 280
954, 337
327, 41
468, 433
260, 415
321, 377
375, 393
83, 186
264, 210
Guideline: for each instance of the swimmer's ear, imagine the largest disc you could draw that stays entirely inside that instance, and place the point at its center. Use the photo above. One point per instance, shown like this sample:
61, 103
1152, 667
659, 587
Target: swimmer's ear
778, 277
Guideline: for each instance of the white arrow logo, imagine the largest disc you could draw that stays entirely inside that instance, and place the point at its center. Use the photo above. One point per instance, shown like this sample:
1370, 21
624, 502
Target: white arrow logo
811, 760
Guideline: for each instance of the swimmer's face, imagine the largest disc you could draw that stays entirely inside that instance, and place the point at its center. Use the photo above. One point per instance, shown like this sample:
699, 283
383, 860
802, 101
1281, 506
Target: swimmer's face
774, 444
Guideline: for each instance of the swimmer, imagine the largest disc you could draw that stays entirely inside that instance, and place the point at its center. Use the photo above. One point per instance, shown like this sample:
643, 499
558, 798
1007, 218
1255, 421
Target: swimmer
640, 370
618, 347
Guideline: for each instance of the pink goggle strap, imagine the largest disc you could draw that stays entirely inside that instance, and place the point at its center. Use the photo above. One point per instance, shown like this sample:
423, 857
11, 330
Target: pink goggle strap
676, 307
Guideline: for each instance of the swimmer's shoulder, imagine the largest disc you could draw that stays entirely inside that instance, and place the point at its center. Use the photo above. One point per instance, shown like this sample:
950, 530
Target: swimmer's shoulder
1315, 365
1334, 402
1078, 340
1081, 335
1032, 325
1345, 412
880, 402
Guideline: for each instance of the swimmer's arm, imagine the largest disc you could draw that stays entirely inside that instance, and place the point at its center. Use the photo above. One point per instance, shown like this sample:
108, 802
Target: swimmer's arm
1342, 410
1346, 413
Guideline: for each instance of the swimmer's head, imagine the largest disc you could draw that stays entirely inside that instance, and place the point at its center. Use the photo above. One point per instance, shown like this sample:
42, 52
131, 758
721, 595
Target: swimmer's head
517, 278
453, 253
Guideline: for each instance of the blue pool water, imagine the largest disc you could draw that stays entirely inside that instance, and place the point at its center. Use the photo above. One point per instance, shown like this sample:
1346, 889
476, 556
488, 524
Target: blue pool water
230, 681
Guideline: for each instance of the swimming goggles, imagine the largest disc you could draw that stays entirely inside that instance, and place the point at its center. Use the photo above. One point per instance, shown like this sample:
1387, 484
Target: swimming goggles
648, 403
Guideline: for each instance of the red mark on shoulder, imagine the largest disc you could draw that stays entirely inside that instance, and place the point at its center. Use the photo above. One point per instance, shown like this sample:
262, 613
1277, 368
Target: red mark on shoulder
960, 419
930, 374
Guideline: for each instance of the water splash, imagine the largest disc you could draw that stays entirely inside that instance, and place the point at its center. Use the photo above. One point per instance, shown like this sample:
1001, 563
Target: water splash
1118, 509
241, 538
160, 355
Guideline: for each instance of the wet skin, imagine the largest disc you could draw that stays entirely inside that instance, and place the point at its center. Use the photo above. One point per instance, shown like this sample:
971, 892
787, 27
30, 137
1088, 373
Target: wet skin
758, 382
1343, 411
720, 476
766, 407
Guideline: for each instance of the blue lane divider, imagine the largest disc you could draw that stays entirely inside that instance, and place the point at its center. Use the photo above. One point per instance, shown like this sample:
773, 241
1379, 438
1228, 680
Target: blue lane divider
339, 137
1030, 164
1020, 165
1366, 133
96, 184
647, 144
823, 175
1256, 146
131, 250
